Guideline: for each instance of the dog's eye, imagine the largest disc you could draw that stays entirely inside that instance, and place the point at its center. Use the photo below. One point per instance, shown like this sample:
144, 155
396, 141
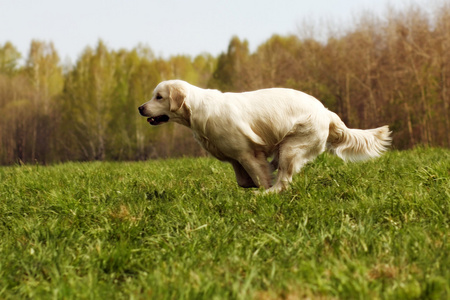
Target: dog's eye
158, 97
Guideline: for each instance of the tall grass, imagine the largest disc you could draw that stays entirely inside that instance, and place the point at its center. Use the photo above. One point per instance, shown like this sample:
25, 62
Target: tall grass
182, 229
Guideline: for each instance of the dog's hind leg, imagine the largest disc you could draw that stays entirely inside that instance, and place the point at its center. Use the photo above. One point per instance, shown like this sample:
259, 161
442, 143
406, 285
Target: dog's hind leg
275, 161
294, 153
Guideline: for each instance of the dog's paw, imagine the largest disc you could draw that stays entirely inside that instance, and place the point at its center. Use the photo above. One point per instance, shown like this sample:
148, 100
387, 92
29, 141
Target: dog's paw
277, 188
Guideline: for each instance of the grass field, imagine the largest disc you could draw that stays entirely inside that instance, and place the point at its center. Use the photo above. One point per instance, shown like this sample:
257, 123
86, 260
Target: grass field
182, 229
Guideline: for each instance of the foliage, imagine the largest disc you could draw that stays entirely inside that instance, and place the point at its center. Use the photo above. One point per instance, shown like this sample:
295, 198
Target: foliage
182, 229
393, 70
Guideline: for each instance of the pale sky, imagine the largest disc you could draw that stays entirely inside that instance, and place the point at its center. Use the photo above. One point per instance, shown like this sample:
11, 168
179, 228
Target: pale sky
170, 27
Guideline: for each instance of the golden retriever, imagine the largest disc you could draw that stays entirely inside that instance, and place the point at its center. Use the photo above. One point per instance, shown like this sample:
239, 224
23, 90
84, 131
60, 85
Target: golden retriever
245, 129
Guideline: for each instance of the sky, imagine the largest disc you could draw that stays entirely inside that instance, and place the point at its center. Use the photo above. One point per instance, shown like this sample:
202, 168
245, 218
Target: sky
171, 27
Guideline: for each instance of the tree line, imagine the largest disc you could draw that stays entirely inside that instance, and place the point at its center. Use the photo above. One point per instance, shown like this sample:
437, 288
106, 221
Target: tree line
391, 70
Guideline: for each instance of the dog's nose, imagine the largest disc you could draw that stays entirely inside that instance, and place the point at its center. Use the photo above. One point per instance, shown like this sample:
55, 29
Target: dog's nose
141, 110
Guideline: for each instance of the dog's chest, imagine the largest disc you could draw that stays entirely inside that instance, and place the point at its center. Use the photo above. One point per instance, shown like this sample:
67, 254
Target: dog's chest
210, 147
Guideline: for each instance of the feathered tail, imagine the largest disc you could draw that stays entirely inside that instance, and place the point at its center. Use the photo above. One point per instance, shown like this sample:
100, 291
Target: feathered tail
357, 144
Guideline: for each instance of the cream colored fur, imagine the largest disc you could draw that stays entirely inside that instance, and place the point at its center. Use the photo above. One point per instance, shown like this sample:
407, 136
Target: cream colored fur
245, 129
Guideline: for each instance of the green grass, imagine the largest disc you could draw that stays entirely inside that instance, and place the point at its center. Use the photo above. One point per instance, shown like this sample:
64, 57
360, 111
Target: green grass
182, 229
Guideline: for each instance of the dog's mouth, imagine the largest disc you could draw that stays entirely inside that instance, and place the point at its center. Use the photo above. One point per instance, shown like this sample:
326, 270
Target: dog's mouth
158, 120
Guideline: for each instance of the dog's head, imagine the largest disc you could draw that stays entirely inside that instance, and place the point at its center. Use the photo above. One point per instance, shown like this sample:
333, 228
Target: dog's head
167, 104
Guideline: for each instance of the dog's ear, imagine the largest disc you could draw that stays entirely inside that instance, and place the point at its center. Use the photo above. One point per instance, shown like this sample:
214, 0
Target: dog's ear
176, 97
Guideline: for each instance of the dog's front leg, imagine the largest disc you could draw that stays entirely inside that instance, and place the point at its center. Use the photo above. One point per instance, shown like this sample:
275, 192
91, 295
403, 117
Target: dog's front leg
243, 179
256, 166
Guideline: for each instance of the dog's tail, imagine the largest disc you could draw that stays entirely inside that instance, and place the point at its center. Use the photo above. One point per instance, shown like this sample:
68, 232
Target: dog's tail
357, 144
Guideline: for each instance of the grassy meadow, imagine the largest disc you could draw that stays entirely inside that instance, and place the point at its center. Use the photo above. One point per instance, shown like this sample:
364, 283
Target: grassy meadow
183, 229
